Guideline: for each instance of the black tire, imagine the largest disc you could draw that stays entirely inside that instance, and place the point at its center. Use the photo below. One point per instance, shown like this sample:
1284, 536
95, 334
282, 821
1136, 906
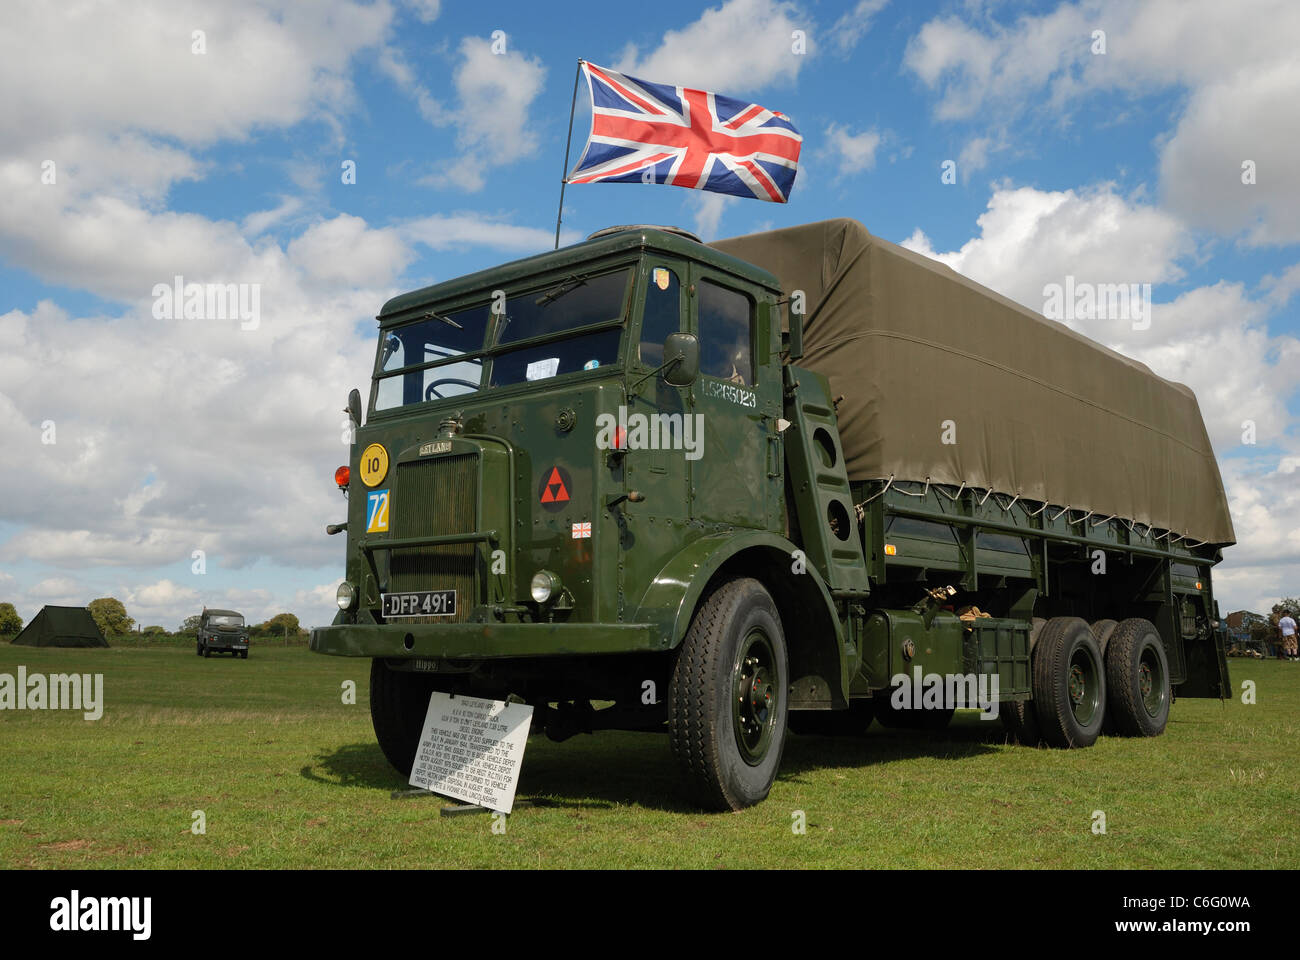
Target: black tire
908, 718
207, 652
1102, 630
1069, 683
243, 655
198, 648
1137, 680
1021, 722
728, 744
852, 722
398, 704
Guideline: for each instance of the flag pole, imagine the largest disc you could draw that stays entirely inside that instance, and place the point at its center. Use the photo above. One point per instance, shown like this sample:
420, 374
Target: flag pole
564, 174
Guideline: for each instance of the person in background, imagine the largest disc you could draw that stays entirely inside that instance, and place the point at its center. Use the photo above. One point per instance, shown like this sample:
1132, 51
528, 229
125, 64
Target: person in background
1286, 627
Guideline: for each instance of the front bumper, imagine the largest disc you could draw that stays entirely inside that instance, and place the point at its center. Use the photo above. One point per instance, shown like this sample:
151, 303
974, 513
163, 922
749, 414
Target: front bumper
485, 641
218, 644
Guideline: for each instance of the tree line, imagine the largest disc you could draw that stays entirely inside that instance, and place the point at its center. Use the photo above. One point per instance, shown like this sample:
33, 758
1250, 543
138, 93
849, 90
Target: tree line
111, 616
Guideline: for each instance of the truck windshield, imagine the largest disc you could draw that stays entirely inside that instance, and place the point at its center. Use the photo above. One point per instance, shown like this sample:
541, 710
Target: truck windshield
570, 324
225, 621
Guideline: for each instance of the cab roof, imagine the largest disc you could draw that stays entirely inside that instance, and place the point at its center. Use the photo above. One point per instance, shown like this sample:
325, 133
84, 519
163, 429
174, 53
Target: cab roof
568, 258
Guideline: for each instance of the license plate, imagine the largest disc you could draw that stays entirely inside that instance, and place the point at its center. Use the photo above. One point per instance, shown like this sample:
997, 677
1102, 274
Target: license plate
419, 603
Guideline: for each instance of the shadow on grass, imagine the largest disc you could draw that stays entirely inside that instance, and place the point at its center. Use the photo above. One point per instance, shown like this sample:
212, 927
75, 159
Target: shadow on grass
618, 768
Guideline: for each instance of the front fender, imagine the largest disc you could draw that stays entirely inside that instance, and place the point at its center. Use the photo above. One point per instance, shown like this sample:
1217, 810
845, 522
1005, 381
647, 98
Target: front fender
673, 595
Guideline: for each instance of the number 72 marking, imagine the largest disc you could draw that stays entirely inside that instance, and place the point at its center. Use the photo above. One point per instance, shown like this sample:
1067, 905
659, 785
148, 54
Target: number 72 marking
377, 511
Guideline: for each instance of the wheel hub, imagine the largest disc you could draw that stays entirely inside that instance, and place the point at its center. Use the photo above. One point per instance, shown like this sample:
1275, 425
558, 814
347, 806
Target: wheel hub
755, 697
1078, 685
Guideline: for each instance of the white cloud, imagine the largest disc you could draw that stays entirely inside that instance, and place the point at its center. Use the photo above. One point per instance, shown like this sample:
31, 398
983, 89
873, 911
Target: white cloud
734, 49
1029, 238
1236, 62
1282, 288
708, 213
163, 594
853, 152
345, 252
106, 68
492, 116
262, 220
456, 230
974, 156
426, 11
1248, 118
54, 589
853, 25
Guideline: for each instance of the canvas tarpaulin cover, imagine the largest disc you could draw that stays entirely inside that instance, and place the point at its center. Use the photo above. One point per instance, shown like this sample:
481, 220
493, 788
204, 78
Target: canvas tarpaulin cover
62, 627
1040, 411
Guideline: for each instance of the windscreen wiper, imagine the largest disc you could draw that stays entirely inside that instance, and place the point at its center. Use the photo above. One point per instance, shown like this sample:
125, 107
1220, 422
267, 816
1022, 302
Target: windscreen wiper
447, 320
564, 286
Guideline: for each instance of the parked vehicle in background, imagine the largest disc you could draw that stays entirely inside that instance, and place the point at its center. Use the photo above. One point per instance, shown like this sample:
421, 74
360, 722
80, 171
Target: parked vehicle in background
222, 631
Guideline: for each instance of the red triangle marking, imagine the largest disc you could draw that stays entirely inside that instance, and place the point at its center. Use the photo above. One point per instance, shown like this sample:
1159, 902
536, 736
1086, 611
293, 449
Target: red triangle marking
555, 490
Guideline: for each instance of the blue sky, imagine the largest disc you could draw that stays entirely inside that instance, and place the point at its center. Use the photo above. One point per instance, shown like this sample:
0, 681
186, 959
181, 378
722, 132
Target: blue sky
225, 165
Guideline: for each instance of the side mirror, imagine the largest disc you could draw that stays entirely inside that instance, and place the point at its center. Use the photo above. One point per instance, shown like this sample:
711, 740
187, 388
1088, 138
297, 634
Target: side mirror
354, 406
681, 359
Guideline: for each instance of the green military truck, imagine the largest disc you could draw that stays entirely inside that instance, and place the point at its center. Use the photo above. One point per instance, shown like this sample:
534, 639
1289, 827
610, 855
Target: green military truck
222, 631
732, 490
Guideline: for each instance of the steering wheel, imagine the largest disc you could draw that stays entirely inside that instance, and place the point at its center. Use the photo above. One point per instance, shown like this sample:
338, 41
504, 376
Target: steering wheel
431, 392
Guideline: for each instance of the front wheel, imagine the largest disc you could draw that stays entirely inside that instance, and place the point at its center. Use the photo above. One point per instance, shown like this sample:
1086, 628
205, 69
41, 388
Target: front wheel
398, 705
727, 697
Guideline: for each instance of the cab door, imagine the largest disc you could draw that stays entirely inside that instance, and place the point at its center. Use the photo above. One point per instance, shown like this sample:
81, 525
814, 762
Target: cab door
737, 478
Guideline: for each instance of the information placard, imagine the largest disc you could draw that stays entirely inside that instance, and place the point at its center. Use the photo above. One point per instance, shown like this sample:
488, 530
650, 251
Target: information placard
472, 749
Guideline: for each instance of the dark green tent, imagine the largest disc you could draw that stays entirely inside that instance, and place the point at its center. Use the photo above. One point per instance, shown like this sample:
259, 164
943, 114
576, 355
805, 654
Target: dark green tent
62, 627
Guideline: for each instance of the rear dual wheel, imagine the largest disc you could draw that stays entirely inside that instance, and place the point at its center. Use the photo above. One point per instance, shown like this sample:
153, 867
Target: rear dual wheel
1069, 683
1137, 678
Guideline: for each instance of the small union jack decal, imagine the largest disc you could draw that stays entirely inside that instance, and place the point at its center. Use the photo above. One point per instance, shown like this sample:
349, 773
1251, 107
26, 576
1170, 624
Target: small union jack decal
644, 132
582, 531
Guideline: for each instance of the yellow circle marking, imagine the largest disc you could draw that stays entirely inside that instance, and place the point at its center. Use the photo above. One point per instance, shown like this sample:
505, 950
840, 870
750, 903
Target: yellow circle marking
374, 465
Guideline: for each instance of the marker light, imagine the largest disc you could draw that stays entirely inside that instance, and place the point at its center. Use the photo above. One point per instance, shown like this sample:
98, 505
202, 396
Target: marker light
545, 585
346, 595
1198, 584
891, 550
341, 476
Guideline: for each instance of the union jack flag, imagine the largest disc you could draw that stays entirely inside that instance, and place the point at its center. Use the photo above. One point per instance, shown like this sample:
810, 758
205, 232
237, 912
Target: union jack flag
643, 132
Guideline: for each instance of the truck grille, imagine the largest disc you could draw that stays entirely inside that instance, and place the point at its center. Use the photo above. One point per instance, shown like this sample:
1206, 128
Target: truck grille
437, 497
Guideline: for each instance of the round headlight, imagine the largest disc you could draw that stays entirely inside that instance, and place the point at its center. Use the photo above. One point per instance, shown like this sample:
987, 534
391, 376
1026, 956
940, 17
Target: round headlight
346, 595
545, 585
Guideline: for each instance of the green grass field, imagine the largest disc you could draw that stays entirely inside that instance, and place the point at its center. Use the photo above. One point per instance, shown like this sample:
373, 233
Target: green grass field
289, 776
